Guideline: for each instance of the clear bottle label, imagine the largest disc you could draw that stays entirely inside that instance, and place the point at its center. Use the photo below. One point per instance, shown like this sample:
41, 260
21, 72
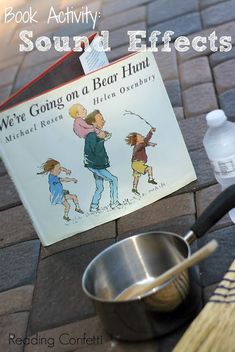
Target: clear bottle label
224, 167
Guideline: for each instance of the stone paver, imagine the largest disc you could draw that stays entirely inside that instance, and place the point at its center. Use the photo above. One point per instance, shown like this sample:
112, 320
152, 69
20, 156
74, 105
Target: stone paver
71, 30
167, 63
217, 14
16, 226
179, 113
8, 194
195, 72
219, 57
162, 10
27, 74
174, 92
205, 197
157, 212
205, 176
38, 29
42, 11
15, 324
193, 130
114, 7
10, 56
225, 76
64, 3
203, 168
58, 288
89, 327
133, 15
35, 58
5, 92
179, 225
207, 3
118, 53
6, 32
199, 99
227, 29
214, 267
227, 102
18, 264
182, 25
98, 233
16, 300
8, 75
120, 36
3, 170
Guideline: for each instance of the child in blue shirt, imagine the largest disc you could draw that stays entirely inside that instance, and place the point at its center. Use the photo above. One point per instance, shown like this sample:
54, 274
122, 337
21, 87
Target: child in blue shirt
58, 194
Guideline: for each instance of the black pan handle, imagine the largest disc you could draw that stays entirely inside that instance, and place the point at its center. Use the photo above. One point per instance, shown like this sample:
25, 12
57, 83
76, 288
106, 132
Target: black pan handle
215, 211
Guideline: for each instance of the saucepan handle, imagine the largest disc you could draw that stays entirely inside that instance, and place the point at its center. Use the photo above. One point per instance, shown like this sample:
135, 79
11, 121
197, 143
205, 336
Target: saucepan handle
215, 211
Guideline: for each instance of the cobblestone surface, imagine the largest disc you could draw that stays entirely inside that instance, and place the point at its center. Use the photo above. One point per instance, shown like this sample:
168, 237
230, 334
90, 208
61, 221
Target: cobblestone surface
195, 72
136, 14
40, 288
174, 92
162, 210
16, 300
167, 63
16, 323
219, 57
116, 6
8, 195
16, 226
193, 129
183, 25
199, 99
218, 14
225, 76
214, 267
18, 264
204, 197
8, 75
63, 271
227, 102
162, 10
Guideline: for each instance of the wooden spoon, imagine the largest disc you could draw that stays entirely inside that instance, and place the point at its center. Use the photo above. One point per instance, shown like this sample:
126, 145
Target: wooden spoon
136, 290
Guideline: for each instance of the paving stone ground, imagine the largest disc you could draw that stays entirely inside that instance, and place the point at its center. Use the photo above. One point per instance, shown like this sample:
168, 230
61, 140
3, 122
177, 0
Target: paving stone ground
40, 288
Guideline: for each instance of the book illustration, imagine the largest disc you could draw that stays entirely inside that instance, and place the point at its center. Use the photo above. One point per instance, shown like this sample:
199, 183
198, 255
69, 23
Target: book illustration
58, 194
68, 124
130, 113
139, 157
80, 127
90, 127
96, 160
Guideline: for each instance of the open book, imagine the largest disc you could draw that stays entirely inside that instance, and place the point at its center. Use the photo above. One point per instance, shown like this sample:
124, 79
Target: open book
95, 148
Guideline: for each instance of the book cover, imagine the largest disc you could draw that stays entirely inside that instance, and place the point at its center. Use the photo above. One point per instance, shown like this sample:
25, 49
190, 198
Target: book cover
95, 149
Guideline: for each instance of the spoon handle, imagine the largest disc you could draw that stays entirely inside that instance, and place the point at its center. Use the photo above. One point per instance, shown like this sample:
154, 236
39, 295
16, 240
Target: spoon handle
198, 256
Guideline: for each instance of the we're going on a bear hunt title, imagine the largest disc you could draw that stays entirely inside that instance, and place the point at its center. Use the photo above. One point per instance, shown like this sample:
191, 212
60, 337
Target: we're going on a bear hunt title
95, 149
38, 109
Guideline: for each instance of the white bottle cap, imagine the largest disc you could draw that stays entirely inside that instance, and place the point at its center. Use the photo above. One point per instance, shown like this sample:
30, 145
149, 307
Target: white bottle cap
216, 118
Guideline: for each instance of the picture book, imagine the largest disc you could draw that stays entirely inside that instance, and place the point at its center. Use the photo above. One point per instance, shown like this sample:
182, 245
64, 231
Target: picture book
95, 148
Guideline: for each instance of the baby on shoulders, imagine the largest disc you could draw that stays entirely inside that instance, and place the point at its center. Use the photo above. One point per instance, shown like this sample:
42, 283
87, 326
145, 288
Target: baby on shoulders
80, 127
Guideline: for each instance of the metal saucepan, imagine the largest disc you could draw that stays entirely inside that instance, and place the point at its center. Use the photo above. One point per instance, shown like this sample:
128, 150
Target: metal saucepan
138, 260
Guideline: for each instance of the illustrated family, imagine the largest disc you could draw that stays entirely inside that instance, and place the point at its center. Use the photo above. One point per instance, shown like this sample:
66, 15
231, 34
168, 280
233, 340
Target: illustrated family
96, 160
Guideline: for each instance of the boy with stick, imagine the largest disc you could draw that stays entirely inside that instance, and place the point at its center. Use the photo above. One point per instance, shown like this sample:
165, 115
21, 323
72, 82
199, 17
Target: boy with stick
139, 157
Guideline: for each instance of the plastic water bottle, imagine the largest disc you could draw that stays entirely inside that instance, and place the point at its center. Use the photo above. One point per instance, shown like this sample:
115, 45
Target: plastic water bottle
219, 143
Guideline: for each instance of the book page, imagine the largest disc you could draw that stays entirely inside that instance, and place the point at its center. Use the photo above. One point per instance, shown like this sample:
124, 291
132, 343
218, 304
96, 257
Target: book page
95, 149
